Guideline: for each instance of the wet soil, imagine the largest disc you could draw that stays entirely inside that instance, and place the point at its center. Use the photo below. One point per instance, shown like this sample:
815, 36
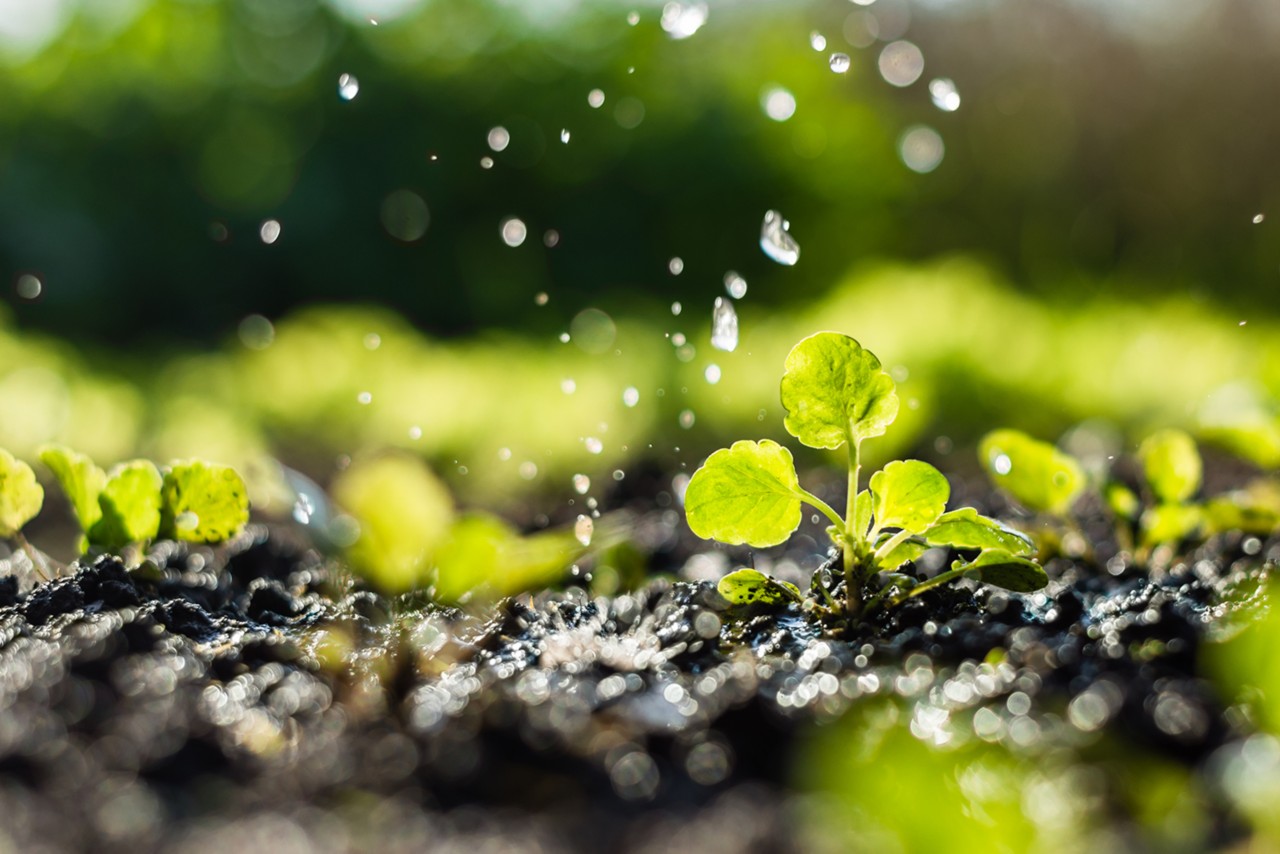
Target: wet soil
254, 697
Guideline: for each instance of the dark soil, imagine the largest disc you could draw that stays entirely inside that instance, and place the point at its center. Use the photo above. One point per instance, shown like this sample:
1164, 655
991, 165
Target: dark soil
253, 698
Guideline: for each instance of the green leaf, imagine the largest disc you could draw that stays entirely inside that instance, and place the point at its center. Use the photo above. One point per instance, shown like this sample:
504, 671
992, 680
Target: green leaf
1171, 463
130, 506
80, 479
862, 522
404, 514
1001, 569
1036, 473
903, 552
835, 392
750, 587
1169, 523
909, 494
1121, 500
203, 502
21, 496
1254, 509
746, 493
484, 559
967, 529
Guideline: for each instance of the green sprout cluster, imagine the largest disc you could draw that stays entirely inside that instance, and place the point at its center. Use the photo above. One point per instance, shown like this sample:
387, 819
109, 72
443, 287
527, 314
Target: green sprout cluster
836, 395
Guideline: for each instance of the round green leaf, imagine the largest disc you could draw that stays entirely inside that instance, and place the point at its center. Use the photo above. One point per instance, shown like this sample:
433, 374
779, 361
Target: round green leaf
1001, 569
1172, 465
751, 587
746, 493
21, 496
130, 505
835, 392
909, 494
1169, 523
903, 552
1036, 473
80, 479
967, 529
203, 502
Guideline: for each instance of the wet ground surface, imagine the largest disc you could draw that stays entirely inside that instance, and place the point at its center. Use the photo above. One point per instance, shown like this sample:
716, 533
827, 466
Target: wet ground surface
252, 697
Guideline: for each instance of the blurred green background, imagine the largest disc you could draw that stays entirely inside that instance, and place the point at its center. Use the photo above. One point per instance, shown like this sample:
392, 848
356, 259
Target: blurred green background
215, 241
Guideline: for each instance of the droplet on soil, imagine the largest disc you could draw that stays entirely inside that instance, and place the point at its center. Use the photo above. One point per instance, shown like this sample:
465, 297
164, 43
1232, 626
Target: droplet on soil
776, 239
724, 326
583, 528
348, 87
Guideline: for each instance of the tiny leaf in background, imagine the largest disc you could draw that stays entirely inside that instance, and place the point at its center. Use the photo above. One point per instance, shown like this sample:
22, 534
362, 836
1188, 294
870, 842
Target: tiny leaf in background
1171, 464
21, 496
1037, 474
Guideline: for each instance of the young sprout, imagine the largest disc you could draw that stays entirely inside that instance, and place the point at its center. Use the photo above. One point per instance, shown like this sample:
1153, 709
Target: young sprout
836, 395
21, 498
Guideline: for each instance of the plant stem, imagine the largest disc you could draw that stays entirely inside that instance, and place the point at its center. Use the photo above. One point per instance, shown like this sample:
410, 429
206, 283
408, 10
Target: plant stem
822, 507
853, 545
938, 580
891, 544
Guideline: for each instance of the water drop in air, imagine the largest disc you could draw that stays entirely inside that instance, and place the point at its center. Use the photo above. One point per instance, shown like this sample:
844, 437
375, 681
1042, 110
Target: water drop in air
348, 87
499, 138
564, 337
528, 470
514, 231
778, 103
269, 231
365, 398
568, 386
1002, 464
633, 18
564, 135
415, 432
687, 418
839, 62
724, 326
681, 20
372, 341
186, 521
676, 308
593, 445
901, 63
551, 238
595, 99
675, 266
256, 332
817, 41
583, 529
712, 374
944, 94
541, 298
630, 396
921, 149
735, 285
581, 484
1257, 218
776, 239
29, 287
486, 162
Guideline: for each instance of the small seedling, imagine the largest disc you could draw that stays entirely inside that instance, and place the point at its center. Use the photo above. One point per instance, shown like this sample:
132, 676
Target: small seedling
134, 503
21, 498
836, 395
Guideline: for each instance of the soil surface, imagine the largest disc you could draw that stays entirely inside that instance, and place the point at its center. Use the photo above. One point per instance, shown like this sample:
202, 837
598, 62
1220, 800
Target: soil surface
252, 697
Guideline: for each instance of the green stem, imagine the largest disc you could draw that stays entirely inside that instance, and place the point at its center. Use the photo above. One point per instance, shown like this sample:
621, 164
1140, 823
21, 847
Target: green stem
853, 546
823, 507
891, 544
936, 581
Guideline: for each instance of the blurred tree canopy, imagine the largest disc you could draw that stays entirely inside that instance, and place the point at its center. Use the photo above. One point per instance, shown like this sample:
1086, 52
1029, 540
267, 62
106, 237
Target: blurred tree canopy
143, 143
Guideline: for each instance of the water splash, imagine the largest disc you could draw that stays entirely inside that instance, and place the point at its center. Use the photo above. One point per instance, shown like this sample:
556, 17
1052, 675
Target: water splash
724, 326
348, 87
776, 239
681, 20
839, 62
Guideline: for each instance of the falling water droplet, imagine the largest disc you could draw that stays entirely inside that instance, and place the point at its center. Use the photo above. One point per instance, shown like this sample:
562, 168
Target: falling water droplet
817, 41
595, 99
514, 231
348, 87
528, 470
944, 95
499, 138
675, 266
568, 386
778, 103
269, 231
712, 373
676, 308
735, 285
372, 341
29, 287
901, 63
687, 418
486, 162
415, 432
630, 396
724, 326
365, 398
564, 338
256, 332
541, 298
581, 484
593, 445
921, 149
1257, 218
633, 18
839, 62
1002, 464
776, 239
681, 20
583, 529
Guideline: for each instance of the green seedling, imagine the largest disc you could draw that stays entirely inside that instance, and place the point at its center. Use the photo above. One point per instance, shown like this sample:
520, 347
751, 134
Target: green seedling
21, 498
836, 395
134, 503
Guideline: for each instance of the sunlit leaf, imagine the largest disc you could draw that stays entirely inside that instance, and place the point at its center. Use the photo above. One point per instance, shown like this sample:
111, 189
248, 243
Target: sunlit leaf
967, 529
1169, 523
1171, 463
131, 505
1254, 509
1001, 569
746, 493
81, 481
404, 515
901, 553
1121, 500
21, 496
834, 392
1035, 473
908, 494
203, 502
750, 587
483, 558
